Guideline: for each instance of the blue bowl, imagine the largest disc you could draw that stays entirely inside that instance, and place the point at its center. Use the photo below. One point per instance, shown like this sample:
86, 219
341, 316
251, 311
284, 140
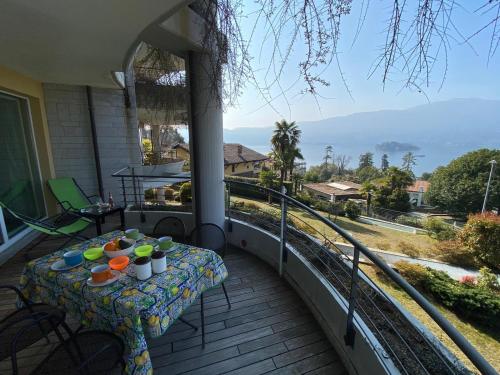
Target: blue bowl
72, 258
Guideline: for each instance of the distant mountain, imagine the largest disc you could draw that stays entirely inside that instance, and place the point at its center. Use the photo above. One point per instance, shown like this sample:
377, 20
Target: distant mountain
440, 131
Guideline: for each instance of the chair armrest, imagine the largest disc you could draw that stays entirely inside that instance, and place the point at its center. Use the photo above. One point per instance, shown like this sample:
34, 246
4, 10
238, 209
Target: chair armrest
18, 292
69, 204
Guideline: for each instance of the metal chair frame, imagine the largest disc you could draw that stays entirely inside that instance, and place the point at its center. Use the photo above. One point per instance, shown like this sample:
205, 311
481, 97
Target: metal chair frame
172, 218
33, 319
221, 251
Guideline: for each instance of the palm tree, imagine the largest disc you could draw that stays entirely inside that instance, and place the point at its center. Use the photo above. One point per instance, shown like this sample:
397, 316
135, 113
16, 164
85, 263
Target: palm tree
284, 141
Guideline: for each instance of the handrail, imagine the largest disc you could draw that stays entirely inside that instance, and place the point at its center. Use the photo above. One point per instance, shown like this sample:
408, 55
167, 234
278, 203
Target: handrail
474, 356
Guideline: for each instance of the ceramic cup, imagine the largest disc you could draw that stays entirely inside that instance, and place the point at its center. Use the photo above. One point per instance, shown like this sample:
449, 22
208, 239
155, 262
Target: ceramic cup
165, 243
159, 262
101, 273
132, 233
143, 268
72, 258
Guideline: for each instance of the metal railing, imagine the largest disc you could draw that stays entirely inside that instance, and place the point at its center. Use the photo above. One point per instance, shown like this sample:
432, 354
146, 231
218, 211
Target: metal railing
364, 298
136, 181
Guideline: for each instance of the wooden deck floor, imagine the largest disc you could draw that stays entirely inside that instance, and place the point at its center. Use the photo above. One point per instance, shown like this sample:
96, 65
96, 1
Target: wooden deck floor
268, 330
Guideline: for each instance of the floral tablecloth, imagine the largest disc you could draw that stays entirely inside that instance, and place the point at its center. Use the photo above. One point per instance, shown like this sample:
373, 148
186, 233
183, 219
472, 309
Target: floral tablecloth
130, 308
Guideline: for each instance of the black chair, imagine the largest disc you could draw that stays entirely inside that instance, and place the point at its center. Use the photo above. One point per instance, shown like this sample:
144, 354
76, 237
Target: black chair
90, 352
210, 236
27, 325
170, 226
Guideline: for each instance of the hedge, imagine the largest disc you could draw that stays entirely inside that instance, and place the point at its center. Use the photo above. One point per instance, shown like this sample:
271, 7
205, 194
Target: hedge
469, 301
253, 192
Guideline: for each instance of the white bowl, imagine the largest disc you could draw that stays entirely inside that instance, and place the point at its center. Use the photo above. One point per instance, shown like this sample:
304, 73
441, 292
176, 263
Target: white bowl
117, 253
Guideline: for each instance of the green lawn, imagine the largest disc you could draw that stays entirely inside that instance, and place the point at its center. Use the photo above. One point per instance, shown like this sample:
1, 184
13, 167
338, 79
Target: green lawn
370, 235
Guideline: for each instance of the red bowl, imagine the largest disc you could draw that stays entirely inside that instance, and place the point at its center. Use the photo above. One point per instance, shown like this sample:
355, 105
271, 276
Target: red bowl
119, 263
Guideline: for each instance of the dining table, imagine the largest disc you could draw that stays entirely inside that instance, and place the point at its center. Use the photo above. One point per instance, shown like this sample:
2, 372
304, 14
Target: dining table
130, 308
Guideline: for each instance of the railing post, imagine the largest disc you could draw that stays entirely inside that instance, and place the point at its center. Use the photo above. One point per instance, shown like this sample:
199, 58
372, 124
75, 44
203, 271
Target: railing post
124, 192
133, 184
283, 252
350, 332
229, 223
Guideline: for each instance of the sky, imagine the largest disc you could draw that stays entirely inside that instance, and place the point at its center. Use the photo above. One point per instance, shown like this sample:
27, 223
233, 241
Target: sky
468, 74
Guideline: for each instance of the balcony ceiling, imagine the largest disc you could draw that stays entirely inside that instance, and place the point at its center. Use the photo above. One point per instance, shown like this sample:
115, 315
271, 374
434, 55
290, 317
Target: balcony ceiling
74, 41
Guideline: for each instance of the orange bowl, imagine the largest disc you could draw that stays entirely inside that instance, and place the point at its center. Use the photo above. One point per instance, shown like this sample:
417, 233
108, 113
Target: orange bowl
119, 263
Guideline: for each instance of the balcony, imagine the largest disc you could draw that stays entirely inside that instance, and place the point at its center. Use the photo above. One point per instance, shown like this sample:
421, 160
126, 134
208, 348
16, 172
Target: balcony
269, 328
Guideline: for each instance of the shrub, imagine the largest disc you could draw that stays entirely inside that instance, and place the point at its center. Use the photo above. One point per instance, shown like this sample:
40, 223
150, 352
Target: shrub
149, 194
465, 299
438, 229
415, 274
408, 249
254, 192
454, 252
468, 280
169, 193
481, 234
185, 192
352, 210
408, 220
488, 280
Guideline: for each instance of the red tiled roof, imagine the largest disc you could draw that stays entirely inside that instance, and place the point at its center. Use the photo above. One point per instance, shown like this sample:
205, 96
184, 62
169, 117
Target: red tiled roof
418, 186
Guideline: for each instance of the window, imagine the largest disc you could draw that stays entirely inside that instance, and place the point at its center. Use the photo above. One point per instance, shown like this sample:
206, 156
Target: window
20, 181
232, 168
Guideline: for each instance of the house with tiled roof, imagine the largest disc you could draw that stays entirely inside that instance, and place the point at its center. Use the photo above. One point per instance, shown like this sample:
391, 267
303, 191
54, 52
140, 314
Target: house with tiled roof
238, 159
417, 192
243, 161
334, 191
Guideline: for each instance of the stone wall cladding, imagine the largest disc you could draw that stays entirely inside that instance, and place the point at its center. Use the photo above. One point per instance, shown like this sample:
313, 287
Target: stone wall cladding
71, 137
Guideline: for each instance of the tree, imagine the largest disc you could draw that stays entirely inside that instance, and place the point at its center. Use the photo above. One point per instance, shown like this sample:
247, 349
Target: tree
328, 154
342, 162
385, 163
286, 137
365, 160
390, 190
297, 178
409, 161
367, 173
267, 179
426, 176
294, 154
352, 210
460, 186
481, 234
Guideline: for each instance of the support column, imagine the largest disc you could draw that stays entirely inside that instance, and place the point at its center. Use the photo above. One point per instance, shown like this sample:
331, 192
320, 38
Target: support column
206, 142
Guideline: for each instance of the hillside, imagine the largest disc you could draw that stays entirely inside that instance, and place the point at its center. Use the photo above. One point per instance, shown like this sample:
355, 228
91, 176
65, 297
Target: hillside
441, 131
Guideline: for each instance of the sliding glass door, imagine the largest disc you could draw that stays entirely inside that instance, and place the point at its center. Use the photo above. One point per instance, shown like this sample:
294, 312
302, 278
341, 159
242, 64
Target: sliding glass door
20, 182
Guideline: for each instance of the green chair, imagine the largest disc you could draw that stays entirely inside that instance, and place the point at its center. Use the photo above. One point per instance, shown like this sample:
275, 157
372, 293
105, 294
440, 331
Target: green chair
66, 225
69, 194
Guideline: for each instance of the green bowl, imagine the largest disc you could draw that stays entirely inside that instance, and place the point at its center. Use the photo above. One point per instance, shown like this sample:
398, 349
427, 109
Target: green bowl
93, 253
143, 251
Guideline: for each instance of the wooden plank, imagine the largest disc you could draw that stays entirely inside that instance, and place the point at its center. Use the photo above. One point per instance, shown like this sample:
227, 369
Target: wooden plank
308, 364
301, 353
241, 361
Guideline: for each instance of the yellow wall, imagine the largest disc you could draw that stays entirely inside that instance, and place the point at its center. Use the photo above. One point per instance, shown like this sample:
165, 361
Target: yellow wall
182, 154
18, 84
241, 168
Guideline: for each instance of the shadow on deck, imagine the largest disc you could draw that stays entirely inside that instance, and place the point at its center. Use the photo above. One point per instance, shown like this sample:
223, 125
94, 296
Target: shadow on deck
268, 330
